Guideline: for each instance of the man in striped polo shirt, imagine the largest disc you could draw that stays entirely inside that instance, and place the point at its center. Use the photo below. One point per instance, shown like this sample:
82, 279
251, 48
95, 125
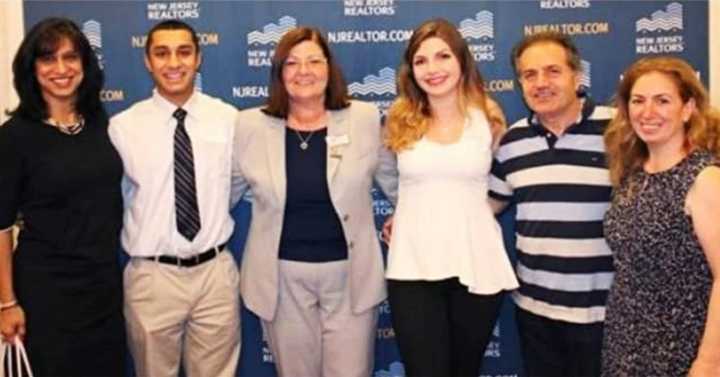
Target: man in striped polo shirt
552, 166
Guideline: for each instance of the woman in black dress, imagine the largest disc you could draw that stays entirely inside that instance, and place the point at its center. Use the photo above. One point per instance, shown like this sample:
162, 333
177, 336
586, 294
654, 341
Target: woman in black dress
61, 289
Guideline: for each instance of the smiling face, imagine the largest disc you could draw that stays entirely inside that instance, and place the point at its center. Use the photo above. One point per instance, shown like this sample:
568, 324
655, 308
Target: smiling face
305, 73
657, 112
548, 82
59, 73
436, 69
172, 60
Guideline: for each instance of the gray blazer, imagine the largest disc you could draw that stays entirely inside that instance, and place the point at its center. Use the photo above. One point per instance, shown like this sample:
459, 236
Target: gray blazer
355, 156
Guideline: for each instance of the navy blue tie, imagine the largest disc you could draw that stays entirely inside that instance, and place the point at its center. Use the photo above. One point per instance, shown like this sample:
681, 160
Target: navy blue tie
187, 214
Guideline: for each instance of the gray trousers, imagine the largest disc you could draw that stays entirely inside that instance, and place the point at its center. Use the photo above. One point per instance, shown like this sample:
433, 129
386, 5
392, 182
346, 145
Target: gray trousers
314, 332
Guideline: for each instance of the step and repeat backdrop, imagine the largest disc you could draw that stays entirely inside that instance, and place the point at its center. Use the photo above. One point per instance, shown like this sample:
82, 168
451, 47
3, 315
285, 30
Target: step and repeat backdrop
368, 37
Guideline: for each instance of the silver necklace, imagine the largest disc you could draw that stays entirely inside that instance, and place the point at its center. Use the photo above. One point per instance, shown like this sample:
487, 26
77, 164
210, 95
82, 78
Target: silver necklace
304, 142
68, 129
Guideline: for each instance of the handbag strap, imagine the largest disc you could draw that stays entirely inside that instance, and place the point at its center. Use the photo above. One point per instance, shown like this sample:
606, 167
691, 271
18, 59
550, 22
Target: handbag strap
21, 359
4, 350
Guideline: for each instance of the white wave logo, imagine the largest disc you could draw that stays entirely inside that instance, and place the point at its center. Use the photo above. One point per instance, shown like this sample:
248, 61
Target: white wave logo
379, 85
272, 32
480, 26
585, 77
198, 82
93, 32
670, 18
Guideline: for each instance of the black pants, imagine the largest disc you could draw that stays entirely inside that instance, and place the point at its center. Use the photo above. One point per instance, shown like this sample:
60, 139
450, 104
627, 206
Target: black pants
441, 329
557, 348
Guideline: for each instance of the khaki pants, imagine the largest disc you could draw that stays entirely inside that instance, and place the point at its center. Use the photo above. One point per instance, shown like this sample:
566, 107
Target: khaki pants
191, 313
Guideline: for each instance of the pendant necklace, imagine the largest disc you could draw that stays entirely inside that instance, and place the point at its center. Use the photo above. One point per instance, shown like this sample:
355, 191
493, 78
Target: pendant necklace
304, 142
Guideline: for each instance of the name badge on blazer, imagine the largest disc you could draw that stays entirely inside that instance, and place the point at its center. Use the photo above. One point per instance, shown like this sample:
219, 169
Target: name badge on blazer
335, 142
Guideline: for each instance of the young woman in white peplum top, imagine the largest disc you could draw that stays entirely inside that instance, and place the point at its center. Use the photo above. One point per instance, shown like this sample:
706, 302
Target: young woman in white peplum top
447, 266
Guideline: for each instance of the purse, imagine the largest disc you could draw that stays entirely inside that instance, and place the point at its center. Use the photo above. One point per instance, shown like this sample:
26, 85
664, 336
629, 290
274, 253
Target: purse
14, 360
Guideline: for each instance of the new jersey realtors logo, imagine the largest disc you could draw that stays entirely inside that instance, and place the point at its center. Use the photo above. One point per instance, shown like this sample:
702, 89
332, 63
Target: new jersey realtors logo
585, 77
662, 32
493, 347
479, 31
369, 7
271, 32
669, 19
93, 32
198, 82
260, 44
378, 89
379, 85
382, 209
564, 4
179, 10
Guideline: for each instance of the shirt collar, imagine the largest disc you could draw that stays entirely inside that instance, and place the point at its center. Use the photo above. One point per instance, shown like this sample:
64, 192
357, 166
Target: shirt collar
168, 108
588, 107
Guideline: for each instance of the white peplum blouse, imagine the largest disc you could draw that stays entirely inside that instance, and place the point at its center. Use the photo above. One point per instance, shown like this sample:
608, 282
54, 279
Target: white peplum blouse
443, 226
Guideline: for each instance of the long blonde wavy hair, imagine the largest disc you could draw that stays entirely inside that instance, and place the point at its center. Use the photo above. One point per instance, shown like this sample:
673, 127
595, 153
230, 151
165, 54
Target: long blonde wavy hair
410, 114
626, 152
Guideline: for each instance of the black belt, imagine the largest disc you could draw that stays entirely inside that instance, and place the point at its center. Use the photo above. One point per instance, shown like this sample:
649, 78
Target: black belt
189, 261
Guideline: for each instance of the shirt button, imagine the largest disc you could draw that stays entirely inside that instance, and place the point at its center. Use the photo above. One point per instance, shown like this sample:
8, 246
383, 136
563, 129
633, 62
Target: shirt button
350, 245
548, 135
346, 217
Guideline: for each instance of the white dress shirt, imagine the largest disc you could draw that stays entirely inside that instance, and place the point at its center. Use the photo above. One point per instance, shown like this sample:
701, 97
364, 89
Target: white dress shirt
443, 225
144, 136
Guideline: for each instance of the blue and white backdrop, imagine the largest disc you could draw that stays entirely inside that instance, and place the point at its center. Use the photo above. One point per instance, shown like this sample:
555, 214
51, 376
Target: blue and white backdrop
368, 38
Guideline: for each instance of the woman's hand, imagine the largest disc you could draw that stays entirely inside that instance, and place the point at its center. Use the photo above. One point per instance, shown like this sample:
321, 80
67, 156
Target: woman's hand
12, 323
387, 229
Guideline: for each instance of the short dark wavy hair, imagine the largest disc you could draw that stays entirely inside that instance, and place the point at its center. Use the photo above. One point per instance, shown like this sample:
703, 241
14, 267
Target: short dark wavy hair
43, 39
171, 25
560, 39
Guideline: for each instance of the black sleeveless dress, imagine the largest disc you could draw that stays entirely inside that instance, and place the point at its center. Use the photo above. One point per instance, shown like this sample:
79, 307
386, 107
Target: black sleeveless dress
66, 270
658, 302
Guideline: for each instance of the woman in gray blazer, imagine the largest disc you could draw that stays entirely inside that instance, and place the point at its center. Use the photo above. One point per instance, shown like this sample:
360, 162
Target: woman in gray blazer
312, 268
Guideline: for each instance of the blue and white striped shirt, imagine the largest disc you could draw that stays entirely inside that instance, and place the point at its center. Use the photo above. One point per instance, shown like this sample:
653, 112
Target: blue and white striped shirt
562, 189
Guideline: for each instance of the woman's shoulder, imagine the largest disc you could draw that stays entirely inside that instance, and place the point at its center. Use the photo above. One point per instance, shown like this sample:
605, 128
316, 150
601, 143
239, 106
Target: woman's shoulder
256, 115
17, 126
362, 108
703, 192
708, 176
362, 105
703, 158
478, 124
477, 116
16, 134
252, 120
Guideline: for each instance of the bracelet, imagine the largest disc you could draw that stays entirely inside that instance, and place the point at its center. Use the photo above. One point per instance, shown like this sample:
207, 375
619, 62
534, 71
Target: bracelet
8, 305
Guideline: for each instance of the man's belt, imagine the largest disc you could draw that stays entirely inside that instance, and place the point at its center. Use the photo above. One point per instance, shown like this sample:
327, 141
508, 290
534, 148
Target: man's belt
189, 261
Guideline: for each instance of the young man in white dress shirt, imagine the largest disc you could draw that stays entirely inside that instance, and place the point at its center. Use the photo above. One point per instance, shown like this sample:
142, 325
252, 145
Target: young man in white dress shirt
182, 297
